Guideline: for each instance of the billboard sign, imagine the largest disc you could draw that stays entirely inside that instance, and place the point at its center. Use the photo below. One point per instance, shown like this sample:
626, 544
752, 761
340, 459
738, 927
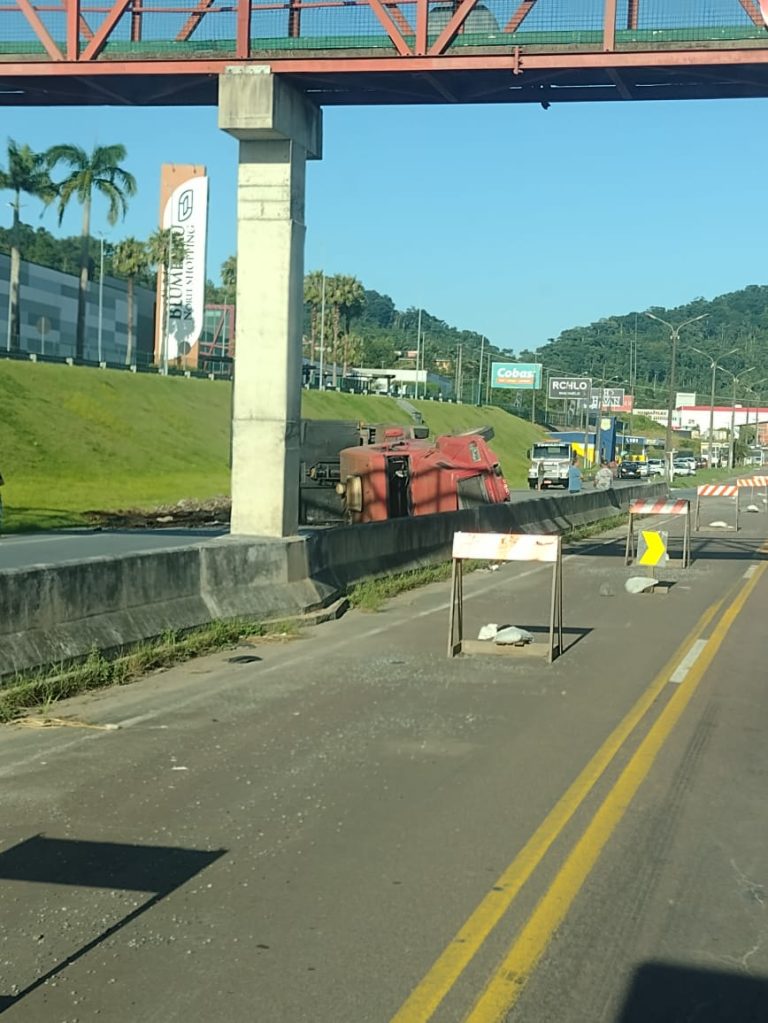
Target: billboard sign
683, 398
516, 375
570, 387
181, 298
611, 398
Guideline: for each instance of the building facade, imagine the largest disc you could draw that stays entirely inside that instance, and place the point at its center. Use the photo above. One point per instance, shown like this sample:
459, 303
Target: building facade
48, 304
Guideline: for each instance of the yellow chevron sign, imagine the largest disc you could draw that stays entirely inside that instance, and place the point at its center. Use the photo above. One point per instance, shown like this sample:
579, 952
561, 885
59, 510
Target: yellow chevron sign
652, 548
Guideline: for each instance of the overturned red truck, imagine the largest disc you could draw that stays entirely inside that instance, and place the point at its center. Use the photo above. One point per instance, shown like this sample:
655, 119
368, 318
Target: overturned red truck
394, 472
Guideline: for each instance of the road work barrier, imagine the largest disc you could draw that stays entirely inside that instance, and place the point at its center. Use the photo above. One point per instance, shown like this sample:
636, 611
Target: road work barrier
717, 490
505, 547
57, 613
754, 483
638, 509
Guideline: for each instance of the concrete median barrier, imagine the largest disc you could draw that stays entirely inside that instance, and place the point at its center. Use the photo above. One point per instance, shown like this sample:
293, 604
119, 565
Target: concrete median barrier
58, 613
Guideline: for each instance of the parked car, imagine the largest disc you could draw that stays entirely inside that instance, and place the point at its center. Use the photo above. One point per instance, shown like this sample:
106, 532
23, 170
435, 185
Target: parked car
683, 469
655, 467
644, 470
629, 471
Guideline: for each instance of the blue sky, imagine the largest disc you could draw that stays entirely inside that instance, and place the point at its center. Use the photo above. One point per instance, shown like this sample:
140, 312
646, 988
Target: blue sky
514, 221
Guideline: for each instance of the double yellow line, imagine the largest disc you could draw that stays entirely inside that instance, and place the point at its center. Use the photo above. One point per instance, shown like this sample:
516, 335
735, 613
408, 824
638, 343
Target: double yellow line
508, 981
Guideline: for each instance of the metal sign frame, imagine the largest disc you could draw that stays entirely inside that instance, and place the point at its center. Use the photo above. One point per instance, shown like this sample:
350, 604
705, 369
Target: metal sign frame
702, 492
661, 508
505, 547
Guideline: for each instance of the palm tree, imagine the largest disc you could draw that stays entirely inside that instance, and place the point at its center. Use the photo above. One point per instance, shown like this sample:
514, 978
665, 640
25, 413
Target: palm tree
99, 171
347, 298
313, 297
27, 173
229, 278
165, 249
130, 260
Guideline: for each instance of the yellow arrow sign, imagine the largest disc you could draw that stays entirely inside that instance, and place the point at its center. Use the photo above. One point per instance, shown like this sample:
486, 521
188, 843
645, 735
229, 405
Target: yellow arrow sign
653, 547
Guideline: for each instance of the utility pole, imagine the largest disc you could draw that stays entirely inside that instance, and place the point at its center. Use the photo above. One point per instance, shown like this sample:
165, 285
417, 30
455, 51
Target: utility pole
736, 380
673, 336
457, 388
480, 372
322, 330
101, 294
418, 353
713, 364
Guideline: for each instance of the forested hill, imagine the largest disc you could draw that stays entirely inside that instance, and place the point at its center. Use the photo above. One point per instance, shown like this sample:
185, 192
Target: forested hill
738, 320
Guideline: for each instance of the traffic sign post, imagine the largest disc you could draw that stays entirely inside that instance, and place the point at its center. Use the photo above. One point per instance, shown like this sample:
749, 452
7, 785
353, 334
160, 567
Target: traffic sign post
652, 548
506, 547
716, 490
656, 543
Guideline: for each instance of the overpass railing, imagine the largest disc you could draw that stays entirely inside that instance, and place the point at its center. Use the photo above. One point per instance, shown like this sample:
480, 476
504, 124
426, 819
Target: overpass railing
89, 30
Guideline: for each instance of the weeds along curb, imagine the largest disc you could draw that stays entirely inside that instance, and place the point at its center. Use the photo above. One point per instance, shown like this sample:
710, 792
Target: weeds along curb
25, 692
370, 594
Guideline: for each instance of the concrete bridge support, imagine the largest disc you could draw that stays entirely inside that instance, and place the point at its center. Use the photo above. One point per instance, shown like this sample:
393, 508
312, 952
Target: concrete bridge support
278, 129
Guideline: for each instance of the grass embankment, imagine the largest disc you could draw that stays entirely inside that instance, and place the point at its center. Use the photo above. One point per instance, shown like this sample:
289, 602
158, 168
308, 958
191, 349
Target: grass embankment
74, 440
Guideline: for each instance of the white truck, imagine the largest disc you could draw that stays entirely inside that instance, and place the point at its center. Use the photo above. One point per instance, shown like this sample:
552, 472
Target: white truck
554, 458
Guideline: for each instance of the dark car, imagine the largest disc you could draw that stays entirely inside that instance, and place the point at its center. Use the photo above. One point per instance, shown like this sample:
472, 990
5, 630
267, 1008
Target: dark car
629, 471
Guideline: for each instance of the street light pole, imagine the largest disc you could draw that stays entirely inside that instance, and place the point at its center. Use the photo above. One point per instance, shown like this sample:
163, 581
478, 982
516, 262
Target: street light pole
713, 364
673, 336
101, 293
480, 371
736, 380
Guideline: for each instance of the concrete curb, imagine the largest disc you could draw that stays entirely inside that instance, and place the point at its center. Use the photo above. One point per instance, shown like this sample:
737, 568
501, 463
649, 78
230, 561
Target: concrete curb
52, 614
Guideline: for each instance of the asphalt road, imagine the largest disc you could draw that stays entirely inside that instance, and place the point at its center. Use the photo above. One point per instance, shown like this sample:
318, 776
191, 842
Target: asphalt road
354, 828
80, 544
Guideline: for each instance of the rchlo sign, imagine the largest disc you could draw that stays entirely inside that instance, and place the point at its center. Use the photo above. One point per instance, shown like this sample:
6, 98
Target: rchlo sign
516, 375
573, 388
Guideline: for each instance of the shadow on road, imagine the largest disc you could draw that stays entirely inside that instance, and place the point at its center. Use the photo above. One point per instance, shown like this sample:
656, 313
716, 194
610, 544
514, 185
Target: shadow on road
665, 993
158, 870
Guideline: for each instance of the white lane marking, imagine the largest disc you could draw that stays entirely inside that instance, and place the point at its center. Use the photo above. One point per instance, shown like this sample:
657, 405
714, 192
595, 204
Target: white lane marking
688, 662
750, 571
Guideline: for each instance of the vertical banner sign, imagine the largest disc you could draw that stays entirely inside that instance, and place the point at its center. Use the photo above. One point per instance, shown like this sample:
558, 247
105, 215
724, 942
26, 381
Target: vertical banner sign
181, 298
524, 376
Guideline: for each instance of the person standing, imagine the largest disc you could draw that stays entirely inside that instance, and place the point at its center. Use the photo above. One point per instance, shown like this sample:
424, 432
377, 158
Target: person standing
603, 478
574, 476
540, 474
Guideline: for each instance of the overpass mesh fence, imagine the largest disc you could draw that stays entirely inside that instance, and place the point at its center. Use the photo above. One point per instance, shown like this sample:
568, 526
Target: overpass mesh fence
174, 27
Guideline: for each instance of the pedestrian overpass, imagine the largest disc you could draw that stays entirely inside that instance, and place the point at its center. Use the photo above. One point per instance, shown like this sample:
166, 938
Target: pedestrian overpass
384, 51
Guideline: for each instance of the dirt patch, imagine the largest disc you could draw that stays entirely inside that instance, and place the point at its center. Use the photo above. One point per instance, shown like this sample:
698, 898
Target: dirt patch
214, 512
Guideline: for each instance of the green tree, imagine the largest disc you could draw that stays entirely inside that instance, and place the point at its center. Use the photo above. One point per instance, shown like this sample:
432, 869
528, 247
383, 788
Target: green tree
313, 299
345, 296
98, 171
229, 279
165, 250
130, 260
26, 174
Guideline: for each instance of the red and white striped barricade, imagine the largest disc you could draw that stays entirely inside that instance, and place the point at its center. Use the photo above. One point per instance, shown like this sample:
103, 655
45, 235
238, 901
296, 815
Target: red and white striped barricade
670, 508
754, 483
506, 547
706, 490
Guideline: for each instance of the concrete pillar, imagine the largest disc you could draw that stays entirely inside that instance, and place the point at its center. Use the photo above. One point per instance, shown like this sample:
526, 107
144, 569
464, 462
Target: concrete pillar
277, 129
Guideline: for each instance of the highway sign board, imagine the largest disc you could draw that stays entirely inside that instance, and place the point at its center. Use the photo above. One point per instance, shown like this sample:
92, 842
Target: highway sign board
652, 547
570, 387
524, 376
